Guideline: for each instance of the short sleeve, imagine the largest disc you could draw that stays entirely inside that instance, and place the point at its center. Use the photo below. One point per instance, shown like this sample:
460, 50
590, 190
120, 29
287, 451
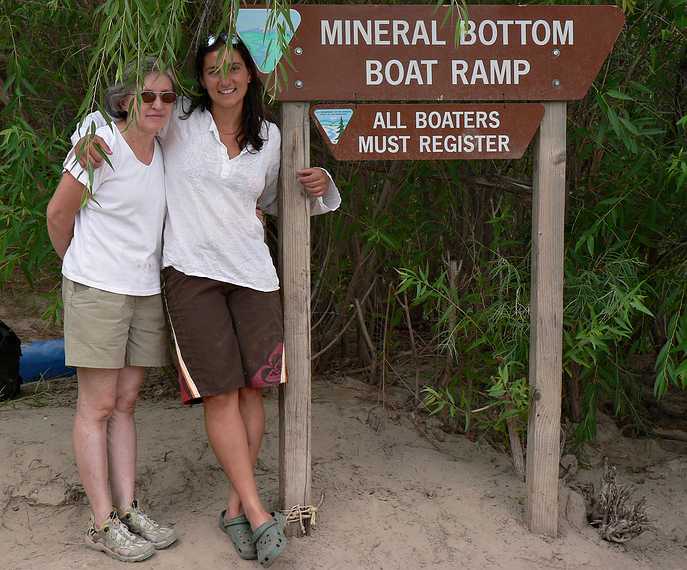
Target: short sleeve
71, 164
83, 128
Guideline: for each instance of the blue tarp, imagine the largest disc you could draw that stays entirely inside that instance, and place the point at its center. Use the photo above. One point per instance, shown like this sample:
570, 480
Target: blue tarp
43, 359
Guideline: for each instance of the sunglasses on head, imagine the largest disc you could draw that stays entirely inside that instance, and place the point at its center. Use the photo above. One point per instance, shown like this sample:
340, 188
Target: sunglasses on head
221, 37
168, 97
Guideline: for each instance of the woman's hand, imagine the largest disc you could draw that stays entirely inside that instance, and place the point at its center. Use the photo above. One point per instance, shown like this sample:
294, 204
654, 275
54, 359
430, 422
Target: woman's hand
314, 180
90, 150
260, 215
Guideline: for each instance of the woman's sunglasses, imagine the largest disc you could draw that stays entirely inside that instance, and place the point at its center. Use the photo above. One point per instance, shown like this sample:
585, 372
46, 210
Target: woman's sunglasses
222, 37
168, 97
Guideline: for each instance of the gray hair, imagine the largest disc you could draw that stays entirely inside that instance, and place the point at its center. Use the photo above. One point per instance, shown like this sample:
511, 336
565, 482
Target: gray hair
134, 74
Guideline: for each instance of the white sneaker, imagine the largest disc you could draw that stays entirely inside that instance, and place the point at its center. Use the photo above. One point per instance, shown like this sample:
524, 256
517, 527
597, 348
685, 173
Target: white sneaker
115, 540
143, 525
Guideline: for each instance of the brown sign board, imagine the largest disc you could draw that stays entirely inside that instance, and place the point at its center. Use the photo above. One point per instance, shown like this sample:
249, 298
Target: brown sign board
431, 131
412, 52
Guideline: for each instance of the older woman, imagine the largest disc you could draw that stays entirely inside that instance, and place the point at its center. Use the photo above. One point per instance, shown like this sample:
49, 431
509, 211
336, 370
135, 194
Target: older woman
114, 323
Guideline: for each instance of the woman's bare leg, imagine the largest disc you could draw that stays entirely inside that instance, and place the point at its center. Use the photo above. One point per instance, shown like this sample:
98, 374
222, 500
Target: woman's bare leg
121, 435
229, 440
253, 415
94, 407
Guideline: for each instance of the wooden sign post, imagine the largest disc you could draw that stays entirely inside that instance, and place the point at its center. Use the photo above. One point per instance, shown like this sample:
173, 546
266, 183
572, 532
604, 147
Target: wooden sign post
294, 254
546, 322
499, 53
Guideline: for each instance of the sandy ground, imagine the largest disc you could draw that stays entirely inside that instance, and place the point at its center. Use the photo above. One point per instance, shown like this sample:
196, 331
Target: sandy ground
398, 492
395, 496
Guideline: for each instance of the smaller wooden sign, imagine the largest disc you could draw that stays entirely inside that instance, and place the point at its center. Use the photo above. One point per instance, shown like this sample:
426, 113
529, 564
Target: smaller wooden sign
440, 131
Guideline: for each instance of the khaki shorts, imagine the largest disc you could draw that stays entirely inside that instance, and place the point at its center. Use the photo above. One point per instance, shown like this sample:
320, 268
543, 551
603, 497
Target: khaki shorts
109, 330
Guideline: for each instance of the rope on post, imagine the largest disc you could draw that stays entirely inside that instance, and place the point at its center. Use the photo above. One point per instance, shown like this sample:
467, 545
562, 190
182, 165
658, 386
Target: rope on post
303, 514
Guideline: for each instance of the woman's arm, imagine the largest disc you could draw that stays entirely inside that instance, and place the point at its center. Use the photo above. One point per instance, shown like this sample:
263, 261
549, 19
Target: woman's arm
62, 210
317, 183
320, 186
68, 197
92, 120
86, 144
268, 199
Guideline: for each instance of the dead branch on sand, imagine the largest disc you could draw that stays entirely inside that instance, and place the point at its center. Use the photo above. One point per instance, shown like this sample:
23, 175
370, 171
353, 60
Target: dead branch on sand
616, 516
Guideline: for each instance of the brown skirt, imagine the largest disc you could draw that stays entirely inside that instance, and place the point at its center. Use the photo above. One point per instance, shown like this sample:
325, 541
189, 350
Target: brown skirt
225, 336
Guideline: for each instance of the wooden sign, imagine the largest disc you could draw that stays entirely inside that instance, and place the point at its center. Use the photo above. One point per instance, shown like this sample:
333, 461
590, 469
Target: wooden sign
401, 53
439, 131
414, 53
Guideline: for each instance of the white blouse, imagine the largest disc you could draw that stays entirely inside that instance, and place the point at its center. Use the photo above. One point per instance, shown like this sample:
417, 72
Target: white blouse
211, 229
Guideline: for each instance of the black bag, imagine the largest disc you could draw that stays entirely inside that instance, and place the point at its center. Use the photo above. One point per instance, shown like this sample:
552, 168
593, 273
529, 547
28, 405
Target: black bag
10, 352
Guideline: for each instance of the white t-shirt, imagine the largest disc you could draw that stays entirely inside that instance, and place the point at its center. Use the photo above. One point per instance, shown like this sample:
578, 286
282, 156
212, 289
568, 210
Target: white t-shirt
211, 229
117, 239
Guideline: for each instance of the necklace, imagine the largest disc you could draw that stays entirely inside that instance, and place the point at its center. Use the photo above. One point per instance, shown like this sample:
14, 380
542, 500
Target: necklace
229, 132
